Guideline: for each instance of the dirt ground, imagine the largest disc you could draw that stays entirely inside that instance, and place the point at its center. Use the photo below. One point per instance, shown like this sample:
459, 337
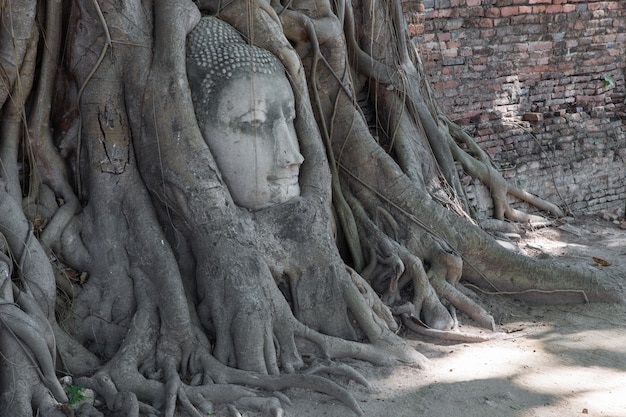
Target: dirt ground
553, 361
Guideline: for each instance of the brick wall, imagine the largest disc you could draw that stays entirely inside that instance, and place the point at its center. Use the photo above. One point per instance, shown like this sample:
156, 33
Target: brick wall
540, 85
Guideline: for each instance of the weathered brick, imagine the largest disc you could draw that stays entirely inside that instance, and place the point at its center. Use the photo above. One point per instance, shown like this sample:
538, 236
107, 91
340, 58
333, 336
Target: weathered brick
492, 12
539, 46
569, 8
554, 8
510, 58
533, 117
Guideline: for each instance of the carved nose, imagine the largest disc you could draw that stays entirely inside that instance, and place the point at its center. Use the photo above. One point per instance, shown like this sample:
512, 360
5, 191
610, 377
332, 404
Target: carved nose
288, 149
294, 157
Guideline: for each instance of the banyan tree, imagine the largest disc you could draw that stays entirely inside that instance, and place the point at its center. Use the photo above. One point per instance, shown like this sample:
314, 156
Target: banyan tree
203, 204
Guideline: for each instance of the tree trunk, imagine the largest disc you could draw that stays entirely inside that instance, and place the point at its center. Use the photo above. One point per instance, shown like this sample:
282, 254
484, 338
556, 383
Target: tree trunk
125, 263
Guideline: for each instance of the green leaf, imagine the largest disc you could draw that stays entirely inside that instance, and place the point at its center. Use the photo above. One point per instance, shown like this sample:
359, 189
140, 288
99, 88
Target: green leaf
608, 81
75, 393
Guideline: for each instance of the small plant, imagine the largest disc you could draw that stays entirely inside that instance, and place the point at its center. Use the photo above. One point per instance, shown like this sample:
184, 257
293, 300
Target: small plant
608, 81
75, 393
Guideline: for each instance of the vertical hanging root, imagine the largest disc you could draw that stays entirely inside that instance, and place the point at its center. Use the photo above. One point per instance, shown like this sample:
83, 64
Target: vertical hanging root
481, 167
29, 334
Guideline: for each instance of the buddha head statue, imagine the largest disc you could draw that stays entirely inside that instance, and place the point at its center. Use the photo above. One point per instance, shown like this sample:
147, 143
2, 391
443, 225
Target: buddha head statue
245, 108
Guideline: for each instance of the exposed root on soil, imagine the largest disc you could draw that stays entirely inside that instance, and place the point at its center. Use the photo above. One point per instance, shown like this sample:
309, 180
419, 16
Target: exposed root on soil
191, 301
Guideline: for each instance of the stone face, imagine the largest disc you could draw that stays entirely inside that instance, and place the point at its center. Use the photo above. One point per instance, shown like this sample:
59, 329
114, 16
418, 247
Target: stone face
540, 83
245, 109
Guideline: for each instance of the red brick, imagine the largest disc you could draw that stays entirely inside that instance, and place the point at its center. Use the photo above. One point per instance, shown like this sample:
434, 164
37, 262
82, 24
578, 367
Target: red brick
415, 30
596, 5
520, 47
446, 85
569, 8
509, 11
598, 14
539, 46
444, 36
436, 14
492, 12
446, 71
553, 8
485, 23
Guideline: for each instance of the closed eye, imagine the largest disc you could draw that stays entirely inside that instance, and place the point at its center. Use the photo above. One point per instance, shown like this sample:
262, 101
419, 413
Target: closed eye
254, 123
254, 119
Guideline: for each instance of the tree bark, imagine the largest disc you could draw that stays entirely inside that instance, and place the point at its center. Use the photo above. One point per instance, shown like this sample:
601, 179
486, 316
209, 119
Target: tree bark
125, 263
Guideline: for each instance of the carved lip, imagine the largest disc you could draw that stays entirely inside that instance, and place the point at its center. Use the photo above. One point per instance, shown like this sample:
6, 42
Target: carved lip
286, 178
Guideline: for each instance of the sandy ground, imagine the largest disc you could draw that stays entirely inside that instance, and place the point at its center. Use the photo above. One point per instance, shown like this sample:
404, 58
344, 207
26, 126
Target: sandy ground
553, 361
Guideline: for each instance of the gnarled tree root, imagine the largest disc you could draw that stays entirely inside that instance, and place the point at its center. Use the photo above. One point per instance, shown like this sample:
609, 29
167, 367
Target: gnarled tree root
415, 325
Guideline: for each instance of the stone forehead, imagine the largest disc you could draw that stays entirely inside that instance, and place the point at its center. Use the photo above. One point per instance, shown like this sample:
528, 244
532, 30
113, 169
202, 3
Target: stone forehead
216, 52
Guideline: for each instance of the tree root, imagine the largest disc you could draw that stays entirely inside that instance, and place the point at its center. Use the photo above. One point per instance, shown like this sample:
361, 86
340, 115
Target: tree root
158, 358
334, 368
381, 313
481, 167
117, 380
417, 326
31, 340
227, 375
17, 27
386, 350
120, 376
23, 391
439, 283
37, 275
27, 353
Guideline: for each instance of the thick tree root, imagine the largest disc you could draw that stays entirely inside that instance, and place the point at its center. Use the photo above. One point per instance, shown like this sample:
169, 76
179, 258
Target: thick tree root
126, 390
151, 305
226, 375
415, 325
22, 392
334, 368
480, 166
411, 321
116, 384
